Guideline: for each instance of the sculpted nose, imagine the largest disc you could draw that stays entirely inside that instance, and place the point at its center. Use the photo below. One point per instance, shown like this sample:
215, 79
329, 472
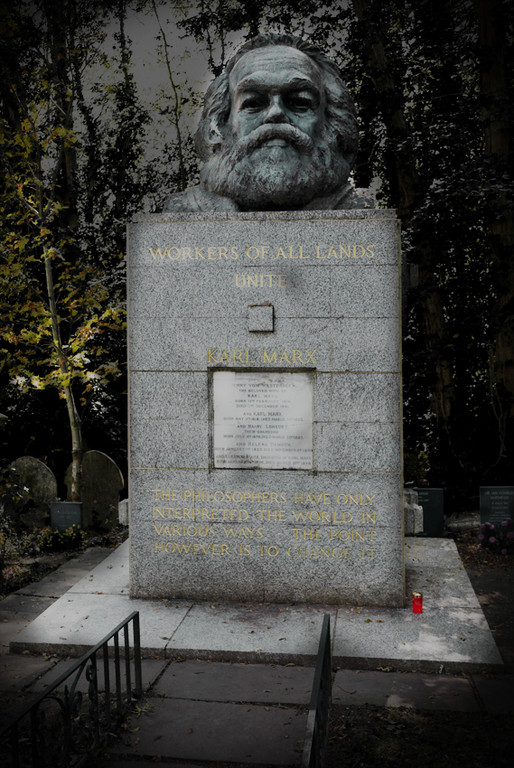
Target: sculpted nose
276, 111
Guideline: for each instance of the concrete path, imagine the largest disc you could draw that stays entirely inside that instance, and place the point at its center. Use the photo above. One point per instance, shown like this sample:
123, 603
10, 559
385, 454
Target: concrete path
256, 713
18, 673
201, 711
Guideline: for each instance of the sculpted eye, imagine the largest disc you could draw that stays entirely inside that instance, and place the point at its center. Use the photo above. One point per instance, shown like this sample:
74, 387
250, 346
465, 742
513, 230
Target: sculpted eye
301, 102
253, 103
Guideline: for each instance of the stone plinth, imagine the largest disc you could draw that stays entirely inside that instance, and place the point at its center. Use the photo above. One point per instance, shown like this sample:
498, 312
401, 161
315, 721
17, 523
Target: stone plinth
265, 407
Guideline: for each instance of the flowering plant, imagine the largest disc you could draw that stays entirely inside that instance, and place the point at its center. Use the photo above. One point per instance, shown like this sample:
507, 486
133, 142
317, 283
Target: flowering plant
499, 538
51, 540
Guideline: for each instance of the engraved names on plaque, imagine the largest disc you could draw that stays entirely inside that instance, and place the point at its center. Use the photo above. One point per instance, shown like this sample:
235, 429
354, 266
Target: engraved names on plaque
262, 420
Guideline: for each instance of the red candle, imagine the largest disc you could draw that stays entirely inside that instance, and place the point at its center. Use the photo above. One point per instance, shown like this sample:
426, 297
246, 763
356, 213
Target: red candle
417, 602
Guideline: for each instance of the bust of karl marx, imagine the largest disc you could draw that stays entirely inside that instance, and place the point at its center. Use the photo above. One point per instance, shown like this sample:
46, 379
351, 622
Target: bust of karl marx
278, 132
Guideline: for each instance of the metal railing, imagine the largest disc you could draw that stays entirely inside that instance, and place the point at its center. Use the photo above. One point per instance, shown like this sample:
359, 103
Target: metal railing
63, 727
316, 733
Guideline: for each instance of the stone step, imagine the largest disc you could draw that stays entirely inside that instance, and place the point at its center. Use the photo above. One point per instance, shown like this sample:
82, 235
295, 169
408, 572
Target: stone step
243, 714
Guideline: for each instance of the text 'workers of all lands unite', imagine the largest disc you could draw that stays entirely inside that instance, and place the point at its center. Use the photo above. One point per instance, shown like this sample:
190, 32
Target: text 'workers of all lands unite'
253, 252
258, 253
190, 530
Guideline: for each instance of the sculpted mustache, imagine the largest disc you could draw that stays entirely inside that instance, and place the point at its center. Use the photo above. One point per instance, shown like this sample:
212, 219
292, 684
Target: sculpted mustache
273, 131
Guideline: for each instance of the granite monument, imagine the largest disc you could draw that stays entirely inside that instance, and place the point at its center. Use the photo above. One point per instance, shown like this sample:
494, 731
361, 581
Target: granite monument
264, 356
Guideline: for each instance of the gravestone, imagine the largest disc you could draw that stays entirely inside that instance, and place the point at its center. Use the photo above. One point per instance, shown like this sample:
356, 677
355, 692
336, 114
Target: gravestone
432, 501
265, 407
39, 488
496, 503
102, 482
123, 512
412, 513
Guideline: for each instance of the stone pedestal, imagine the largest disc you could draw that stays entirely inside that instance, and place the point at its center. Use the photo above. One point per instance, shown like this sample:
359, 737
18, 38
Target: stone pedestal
265, 407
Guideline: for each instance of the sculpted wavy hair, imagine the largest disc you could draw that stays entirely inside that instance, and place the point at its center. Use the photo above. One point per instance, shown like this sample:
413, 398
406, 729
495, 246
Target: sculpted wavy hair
340, 110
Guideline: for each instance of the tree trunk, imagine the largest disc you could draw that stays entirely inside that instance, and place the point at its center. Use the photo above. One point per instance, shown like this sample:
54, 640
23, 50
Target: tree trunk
59, 23
73, 415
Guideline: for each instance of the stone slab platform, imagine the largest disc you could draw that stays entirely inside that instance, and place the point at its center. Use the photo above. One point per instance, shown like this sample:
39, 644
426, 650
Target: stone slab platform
452, 629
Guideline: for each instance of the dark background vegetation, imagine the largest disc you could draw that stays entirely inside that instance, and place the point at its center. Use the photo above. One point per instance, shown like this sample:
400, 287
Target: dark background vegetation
432, 81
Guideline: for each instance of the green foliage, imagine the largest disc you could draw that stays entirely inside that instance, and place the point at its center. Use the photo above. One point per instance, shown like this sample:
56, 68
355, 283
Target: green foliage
71, 175
44, 227
51, 540
15, 542
12, 493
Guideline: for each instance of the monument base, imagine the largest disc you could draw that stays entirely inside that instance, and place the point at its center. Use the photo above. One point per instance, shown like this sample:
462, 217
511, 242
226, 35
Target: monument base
265, 407
280, 633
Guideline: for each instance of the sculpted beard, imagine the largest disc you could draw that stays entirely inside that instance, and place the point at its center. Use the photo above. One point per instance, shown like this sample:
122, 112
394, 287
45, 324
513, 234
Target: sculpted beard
254, 171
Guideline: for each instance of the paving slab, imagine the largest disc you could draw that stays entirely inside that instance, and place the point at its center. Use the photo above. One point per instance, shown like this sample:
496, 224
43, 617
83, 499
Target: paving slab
496, 694
17, 673
20, 672
107, 761
80, 621
431, 692
67, 575
441, 587
458, 636
150, 671
110, 577
16, 612
197, 730
431, 552
260, 632
27, 605
12, 704
256, 683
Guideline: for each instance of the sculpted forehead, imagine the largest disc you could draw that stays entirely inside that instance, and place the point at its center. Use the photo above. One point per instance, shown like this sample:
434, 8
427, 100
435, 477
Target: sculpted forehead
274, 64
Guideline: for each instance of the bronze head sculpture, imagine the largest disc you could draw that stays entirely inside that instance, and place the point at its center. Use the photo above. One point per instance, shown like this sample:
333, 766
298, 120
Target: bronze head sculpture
278, 132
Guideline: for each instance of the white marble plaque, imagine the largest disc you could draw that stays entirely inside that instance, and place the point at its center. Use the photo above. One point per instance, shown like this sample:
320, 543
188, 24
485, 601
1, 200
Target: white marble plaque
262, 420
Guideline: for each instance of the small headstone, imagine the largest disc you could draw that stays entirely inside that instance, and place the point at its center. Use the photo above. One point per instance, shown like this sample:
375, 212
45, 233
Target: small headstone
412, 513
65, 514
41, 488
102, 482
496, 503
432, 501
123, 512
